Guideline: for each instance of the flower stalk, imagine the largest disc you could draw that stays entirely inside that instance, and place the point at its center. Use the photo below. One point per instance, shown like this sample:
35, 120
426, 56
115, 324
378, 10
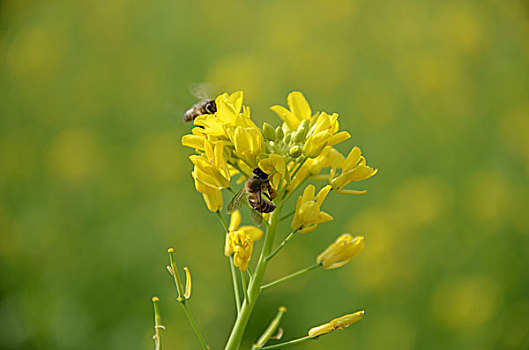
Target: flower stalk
157, 325
272, 327
286, 278
182, 300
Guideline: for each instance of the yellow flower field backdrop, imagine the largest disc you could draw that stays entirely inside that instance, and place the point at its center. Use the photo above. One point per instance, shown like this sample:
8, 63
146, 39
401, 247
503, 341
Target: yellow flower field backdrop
95, 184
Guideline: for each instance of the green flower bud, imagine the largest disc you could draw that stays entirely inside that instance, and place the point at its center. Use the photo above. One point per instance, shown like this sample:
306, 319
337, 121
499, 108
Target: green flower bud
295, 151
288, 138
269, 132
266, 147
302, 131
279, 133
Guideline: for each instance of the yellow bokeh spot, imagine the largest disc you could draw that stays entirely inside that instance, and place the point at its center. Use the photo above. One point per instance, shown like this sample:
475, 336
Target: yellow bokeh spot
488, 196
75, 155
464, 303
157, 157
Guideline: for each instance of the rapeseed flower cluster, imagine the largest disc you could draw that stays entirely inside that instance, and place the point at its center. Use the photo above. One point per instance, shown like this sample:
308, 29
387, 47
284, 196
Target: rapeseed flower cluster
273, 162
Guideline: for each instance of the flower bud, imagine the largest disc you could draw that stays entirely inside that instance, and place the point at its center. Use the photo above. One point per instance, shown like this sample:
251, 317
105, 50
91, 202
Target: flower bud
288, 138
301, 133
338, 323
269, 132
341, 251
279, 133
295, 151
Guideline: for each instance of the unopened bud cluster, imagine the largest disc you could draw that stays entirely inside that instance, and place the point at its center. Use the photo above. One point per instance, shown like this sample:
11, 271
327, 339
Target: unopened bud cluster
286, 143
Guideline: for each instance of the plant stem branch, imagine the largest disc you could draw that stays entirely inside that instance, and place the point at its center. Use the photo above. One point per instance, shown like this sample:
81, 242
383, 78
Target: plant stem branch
194, 325
291, 342
272, 327
289, 237
286, 278
235, 286
157, 325
284, 217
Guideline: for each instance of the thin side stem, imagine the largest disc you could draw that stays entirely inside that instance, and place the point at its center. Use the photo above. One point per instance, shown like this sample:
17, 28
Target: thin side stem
290, 193
284, 217
272, 327
234, 279
299, 167
291, 342
244, 287
281, 280
194, 325
235, 286
157, 325
285, 241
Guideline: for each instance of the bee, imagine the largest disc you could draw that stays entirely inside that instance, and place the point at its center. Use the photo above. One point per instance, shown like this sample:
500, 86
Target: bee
256, 188
206, 105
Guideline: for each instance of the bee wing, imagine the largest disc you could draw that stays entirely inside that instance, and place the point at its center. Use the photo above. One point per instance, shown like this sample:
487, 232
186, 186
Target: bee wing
202, 91
256, 216
236, 201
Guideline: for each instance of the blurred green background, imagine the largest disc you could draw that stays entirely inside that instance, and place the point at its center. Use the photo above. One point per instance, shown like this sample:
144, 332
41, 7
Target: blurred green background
95, 185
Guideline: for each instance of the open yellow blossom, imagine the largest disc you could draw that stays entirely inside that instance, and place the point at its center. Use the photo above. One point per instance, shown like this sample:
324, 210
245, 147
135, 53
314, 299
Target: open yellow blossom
239, 241
338, 323
211, 174
248, 142
308, 214
323, 133
275, 167
341, 251
328, 158
228, 111
353, 168
299, 110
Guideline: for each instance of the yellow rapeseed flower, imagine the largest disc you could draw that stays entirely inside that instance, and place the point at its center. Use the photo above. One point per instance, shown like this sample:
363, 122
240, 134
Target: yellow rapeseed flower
239, 241
211, 174
299, 110
323, 133
353, 168
275, 167
248, 144
338, 323
328, 158
308, 214
341, 251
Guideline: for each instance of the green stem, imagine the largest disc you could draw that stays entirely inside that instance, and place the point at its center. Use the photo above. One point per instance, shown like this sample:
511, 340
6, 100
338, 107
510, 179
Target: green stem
289, 194
281, 280
194, 325
289, 237
232, 268
255, 284
182, 300
244, 287
299, 167
269, 331
157, 325
291, 342
235, 286
284, 217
